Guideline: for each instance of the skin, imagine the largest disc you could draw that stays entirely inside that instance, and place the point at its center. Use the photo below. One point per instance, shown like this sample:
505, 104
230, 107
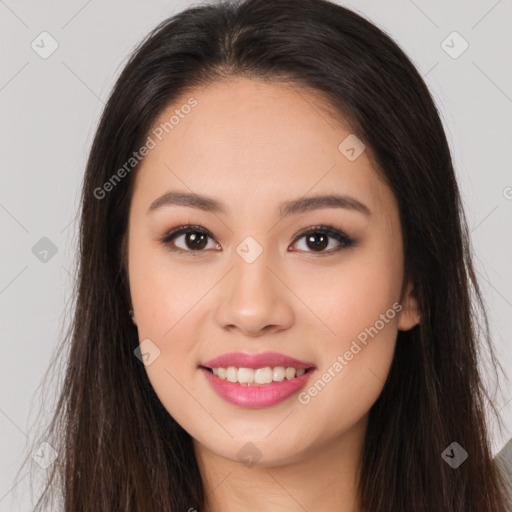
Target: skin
251, 145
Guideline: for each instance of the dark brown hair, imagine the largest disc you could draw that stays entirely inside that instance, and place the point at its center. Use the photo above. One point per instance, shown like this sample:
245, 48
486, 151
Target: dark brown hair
119, 449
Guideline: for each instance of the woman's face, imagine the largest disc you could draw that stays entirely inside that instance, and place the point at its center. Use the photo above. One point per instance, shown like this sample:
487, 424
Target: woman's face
247, 163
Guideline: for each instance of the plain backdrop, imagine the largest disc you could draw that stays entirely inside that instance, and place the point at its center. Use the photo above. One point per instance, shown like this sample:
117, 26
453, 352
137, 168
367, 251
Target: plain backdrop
49, 111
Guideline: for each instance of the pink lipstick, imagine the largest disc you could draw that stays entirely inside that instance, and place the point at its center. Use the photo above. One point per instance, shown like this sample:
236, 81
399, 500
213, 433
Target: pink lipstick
249, 393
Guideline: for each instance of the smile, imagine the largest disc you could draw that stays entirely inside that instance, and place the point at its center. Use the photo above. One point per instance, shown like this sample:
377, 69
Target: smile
256, 380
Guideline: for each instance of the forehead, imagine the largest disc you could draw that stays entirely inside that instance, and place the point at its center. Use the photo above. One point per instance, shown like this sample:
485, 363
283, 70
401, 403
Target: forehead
243, 136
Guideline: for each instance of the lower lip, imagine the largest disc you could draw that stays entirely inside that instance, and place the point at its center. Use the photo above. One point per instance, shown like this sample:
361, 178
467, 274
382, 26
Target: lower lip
255, 396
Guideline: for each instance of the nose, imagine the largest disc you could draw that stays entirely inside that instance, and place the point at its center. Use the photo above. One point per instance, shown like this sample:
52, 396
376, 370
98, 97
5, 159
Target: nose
253, 300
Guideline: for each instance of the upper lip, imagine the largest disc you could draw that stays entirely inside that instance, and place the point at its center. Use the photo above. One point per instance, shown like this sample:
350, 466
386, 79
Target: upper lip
246, 360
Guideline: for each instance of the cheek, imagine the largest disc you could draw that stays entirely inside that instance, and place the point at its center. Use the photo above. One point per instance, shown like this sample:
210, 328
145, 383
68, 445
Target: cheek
353, 295
177, 391
361, 308
166, 299
168, 305
163, 291
349, 383
354, 364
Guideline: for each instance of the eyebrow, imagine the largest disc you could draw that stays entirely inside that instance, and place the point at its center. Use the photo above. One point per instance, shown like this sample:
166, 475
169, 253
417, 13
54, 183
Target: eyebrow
287, 208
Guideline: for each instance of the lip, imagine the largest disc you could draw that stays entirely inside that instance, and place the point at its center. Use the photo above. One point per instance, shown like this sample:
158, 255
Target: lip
256, 396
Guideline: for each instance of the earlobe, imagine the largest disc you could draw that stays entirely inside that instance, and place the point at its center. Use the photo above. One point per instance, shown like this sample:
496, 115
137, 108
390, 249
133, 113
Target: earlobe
410, 315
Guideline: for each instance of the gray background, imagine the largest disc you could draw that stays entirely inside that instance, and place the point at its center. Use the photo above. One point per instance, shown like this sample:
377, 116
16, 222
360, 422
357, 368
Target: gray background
49, 111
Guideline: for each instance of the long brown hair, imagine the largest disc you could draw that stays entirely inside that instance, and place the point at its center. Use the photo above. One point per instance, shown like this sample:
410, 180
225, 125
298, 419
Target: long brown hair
119, 449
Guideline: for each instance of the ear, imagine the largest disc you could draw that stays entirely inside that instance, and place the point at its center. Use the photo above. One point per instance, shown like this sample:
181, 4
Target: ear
409, 316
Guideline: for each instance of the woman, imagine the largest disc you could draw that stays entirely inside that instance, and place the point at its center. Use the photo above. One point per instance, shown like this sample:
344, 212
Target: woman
275, 300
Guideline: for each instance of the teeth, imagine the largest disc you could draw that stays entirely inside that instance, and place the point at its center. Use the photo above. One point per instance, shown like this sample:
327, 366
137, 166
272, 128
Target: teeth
257, 376
290, 373
261, 375
232, 374
278, 374
245, 375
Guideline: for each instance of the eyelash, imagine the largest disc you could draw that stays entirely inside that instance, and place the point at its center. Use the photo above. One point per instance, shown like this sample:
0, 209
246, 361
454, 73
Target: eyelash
345, 240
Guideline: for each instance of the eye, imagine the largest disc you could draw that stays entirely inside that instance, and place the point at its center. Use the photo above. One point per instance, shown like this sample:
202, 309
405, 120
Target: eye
317, 239
193, 239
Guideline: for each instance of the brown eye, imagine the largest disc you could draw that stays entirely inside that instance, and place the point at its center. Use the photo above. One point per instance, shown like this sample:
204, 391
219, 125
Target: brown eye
317, 239
187, 239
196, 241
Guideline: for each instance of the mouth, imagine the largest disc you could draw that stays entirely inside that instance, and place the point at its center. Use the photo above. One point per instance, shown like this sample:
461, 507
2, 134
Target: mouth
256, 380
